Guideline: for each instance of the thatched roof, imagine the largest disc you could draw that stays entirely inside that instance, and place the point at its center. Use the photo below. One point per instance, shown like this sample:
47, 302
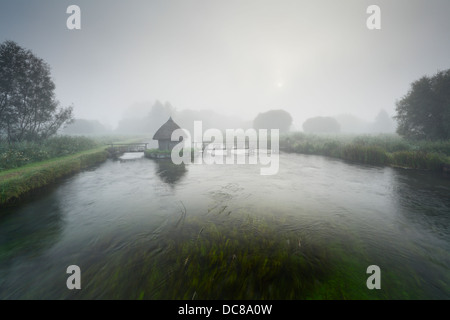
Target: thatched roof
165, 132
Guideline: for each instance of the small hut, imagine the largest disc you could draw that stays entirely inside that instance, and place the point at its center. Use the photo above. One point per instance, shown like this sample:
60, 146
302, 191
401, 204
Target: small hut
164, 135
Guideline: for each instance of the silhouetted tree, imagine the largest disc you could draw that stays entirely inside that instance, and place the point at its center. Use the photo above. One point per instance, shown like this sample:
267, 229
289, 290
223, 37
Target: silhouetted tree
28, 108
383, 123
83, 126
159, 114
321, 125
152, 118
351, 124
210, 119
424, 112
273, 119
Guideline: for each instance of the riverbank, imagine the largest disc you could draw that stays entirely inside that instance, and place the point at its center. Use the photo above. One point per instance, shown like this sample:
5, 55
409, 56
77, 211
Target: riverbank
383, 150
15, 183
162, 154
157, 154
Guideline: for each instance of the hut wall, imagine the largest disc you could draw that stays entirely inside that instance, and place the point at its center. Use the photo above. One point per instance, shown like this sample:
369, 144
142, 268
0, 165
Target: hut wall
167, 144
163, 144
172, 144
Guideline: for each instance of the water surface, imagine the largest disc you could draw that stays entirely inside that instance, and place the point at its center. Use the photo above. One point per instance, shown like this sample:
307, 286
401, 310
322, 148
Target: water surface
140, 228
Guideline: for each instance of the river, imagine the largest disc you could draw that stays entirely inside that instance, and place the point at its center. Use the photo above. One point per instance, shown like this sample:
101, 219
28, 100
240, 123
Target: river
146, 229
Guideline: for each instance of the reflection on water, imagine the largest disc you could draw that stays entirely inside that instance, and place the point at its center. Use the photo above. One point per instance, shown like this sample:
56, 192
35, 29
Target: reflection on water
168, 171
130, 156
150, 229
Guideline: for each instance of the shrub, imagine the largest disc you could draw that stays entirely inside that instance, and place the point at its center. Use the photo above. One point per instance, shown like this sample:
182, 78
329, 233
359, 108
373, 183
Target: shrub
22, 153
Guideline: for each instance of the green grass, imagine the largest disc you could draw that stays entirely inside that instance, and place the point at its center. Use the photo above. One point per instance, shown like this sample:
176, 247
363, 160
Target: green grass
15, 183
156, 153
23, 153
380, 150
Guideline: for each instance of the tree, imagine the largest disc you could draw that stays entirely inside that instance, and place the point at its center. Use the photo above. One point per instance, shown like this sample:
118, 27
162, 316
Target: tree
383, 123
424, 112
28, 108
158, 115
351, 124
145, 118
273, 119
321, 125
84, 126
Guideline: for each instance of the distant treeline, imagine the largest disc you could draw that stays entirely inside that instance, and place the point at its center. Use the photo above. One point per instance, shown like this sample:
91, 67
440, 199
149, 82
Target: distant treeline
145, 118
347, 123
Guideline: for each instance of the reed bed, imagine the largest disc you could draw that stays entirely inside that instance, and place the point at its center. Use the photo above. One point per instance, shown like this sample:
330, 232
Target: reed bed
383, 149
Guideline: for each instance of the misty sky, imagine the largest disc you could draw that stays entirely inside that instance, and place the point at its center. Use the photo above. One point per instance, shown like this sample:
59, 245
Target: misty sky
237, 57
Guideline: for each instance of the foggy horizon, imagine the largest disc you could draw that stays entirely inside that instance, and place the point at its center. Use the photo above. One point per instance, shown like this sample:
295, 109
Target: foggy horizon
234, 58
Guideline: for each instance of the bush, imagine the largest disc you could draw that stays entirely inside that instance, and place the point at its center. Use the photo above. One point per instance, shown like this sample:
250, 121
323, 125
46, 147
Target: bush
22, 153
11, 158
440, 146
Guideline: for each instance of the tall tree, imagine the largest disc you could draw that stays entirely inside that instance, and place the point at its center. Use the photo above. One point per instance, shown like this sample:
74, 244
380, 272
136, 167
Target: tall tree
424, 112
84, 126
383, 123
28, 108
273, 119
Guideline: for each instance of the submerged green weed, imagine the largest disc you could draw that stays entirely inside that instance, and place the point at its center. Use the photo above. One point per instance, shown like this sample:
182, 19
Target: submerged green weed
233, 258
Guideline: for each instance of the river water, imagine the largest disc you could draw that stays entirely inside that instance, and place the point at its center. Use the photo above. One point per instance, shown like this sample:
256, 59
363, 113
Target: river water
141, 228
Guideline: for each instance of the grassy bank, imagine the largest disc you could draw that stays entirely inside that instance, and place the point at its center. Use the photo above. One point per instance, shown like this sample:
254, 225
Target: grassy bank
156, 153
18, 154
382, 150
15, 183
163, 154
